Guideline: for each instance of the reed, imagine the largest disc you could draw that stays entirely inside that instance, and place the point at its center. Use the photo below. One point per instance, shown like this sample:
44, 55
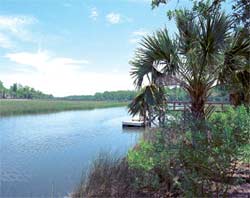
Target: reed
18, 107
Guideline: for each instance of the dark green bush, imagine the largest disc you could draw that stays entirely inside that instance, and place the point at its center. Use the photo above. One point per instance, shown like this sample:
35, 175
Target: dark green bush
202, 170
208, 166
153, 161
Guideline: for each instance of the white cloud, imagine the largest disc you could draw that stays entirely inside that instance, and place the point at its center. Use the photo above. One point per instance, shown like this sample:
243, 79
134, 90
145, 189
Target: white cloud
15, 27
113, 18
15, 24
136, 36
43, 62
94, 14
62, 76
5, 42
140, 33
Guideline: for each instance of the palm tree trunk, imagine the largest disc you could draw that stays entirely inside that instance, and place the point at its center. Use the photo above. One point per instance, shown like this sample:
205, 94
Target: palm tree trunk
198, 108
198, 95
149, 117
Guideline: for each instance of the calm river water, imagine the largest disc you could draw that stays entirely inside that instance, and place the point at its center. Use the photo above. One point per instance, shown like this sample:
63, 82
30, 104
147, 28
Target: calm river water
41, 154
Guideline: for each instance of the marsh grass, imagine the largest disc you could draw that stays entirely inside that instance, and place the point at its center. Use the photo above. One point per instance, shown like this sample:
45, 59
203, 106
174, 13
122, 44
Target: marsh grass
108, 176
19, 107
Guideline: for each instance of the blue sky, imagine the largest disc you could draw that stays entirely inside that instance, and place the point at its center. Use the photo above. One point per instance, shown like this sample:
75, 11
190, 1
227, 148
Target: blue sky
66, 47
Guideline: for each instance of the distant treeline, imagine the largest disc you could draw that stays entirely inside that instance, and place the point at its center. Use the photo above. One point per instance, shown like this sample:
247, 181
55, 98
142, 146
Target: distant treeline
18, 91
106, 96
173, 94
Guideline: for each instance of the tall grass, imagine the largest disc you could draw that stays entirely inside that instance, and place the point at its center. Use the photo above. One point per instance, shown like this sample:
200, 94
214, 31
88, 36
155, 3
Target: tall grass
18, 107
109, 176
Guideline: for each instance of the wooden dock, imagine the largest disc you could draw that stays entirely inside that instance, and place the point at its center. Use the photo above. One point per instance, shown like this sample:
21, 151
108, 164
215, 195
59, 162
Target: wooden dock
178, 106
184, 105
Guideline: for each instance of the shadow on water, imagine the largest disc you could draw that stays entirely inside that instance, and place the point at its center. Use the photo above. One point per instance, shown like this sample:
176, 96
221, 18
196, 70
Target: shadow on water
139, 130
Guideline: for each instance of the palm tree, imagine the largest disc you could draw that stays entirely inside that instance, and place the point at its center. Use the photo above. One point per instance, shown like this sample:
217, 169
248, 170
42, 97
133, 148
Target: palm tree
156, 55
150, 100
236, 74
195, 57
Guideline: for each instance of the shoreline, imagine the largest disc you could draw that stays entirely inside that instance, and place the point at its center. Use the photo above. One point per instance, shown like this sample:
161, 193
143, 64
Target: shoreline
16, 107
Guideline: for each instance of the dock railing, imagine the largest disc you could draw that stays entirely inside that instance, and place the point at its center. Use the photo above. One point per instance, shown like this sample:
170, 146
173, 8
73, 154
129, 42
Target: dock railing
184, 105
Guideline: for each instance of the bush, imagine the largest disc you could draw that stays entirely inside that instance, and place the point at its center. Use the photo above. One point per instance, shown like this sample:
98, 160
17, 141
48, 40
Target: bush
209, 166
169, 157
151, 160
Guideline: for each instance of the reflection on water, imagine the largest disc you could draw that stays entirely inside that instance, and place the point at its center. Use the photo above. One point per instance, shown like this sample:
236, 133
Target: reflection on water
133, 130
41, 154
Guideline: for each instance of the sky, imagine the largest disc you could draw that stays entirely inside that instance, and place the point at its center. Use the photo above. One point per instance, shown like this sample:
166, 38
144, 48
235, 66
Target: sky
74, 47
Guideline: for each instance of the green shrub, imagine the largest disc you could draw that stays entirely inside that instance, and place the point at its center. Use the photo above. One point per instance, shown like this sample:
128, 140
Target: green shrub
200, 170
151, 160
209, 165
246, 153
142, 157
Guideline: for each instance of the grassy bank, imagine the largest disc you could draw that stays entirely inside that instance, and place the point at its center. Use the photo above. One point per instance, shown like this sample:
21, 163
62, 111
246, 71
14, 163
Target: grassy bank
164, 163
18, 107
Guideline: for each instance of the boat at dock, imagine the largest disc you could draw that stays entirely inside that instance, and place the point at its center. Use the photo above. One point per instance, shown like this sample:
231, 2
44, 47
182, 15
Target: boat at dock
133, 123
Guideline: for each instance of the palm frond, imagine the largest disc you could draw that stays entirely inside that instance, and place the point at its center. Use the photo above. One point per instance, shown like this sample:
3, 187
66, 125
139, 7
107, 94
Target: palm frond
156, 55
149, 96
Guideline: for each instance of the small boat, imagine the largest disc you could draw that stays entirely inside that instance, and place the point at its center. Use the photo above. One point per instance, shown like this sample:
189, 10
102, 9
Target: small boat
133, 123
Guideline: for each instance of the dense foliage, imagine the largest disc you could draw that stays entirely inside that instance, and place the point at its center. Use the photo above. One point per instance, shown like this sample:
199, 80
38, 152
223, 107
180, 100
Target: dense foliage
200, 151
240, 15
17, 91
202, 170
151, 160
209, 166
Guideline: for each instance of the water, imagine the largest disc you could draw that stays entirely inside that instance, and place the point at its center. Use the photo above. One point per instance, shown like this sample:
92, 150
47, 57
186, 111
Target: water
42, 155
